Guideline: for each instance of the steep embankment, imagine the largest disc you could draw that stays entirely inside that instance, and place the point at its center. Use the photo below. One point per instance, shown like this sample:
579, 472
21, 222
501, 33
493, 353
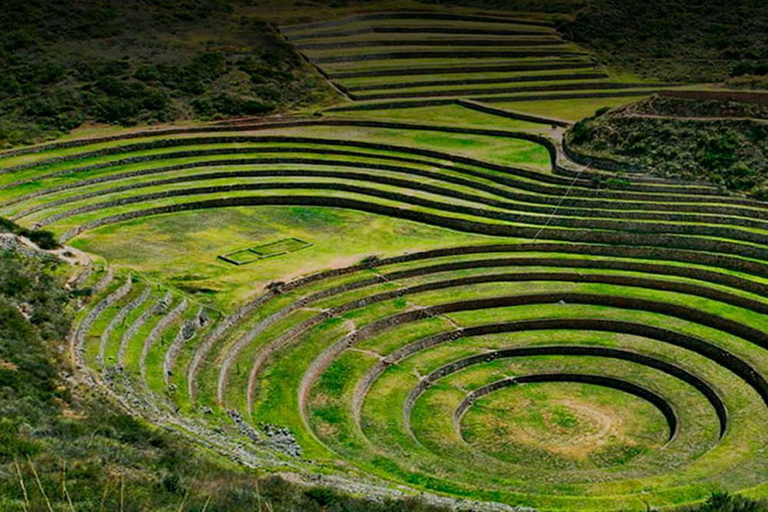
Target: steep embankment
63, 447
722, 142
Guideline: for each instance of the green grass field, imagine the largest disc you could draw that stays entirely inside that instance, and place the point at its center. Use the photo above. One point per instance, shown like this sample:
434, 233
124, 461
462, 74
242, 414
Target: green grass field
429, 296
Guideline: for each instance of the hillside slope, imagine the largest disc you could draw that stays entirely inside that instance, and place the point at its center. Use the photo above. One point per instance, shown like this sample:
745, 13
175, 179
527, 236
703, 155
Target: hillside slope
141, 61
65, 448
703, 41
721, 142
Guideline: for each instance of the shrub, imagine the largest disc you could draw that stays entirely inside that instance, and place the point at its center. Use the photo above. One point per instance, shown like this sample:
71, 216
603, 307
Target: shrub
725, 502
749, 82
323, 496
44, 239
603, 110
580, 132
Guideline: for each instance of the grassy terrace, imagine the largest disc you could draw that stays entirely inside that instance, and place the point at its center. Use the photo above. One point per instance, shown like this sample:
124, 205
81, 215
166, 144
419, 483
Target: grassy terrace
386, 57
471, 315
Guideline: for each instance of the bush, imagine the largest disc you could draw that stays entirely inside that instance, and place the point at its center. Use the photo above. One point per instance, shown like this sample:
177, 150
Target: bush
323, 496
580, 132
749, 82
228, 105
725, 502
44, 239
8, 226
750, 68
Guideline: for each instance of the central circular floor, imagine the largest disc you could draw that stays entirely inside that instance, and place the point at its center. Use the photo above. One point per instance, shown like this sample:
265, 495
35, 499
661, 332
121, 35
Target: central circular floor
564, 425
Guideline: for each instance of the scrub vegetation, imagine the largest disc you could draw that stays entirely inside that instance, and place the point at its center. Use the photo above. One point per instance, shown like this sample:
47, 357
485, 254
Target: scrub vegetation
127, 63
718, 141
66, 448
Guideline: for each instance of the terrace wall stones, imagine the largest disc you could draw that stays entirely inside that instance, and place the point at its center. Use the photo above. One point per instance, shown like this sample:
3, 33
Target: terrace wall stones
157, 331
187, 331
500, 43
479, 81
554, 219
77, 338
156, 308
118, 319
410, 30
450, 70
